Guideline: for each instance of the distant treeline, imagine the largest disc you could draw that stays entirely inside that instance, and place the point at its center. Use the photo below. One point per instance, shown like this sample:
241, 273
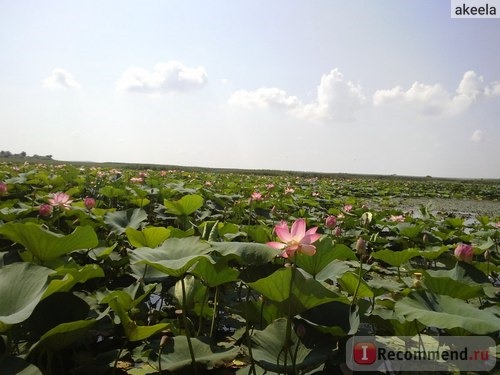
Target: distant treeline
22, 154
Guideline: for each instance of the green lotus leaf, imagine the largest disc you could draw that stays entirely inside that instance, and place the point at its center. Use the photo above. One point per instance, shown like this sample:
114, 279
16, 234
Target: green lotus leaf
22, 286
267, 349
46, 245
133, 331
56, 309
433, 252
175, 354
410, 230
112, 192
395, 258
333, 270
326, 252
351, 283
245, 253
305, 293
126, 298
139, 202
63, 335
452, 288
214, 274
446, 312
184, 206
119, 221
174, 257
336, 318
147, 237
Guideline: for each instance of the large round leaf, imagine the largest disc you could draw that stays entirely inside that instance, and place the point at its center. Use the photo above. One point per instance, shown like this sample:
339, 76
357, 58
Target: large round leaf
326, 252
267, 349
22, 285
214, 274
175, 355
46, 245
446, 313
245, 253
63, 335
184, 206
119, 221
147, 237
395, 258
174, 257
305, 293
56, 309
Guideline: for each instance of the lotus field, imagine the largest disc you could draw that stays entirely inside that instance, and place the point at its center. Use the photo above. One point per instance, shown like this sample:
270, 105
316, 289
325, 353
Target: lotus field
151, 271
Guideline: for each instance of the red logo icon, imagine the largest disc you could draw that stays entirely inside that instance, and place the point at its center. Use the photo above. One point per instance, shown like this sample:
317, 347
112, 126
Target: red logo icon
364, 353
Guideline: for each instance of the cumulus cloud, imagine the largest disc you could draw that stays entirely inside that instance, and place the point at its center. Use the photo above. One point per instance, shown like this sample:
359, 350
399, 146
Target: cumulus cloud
477, 136
265, 97
434, 100
336, 99
171, 76
493, 89
60, 78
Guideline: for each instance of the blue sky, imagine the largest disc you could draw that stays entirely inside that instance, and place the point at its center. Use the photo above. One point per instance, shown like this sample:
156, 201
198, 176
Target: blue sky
381, 87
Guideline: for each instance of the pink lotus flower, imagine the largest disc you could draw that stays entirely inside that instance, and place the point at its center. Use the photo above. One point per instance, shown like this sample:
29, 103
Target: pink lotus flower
464, 252
295, 240
89, 203
348, 207
269, 186
289, 190
3, 188
45, 210
331, 221
397, 218
61, 200
256, 196
137, 180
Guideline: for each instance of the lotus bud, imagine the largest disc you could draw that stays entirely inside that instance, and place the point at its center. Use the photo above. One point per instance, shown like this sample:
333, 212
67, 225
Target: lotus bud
300, 330
164, 339
464, 252
45, 210
89, 203
3, 188
360, 246
331, 221
487, 255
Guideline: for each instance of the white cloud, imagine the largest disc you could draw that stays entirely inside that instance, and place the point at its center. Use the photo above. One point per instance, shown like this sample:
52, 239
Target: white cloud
336, 99
434, 100
265, 97
493, 89
477, 136
171, 76
60, 78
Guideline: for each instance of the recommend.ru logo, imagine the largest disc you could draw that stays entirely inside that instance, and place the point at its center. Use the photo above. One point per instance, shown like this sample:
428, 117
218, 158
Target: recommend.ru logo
421, 353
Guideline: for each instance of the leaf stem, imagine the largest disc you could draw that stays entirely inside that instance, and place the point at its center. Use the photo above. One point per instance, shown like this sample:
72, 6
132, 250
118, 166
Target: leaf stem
186, 328
359, 280
214, 315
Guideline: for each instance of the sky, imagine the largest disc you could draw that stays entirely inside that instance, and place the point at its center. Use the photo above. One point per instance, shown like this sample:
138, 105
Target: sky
359, 86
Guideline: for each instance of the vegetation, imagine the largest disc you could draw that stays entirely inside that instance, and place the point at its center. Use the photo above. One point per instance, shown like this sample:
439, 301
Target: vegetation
127, 270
